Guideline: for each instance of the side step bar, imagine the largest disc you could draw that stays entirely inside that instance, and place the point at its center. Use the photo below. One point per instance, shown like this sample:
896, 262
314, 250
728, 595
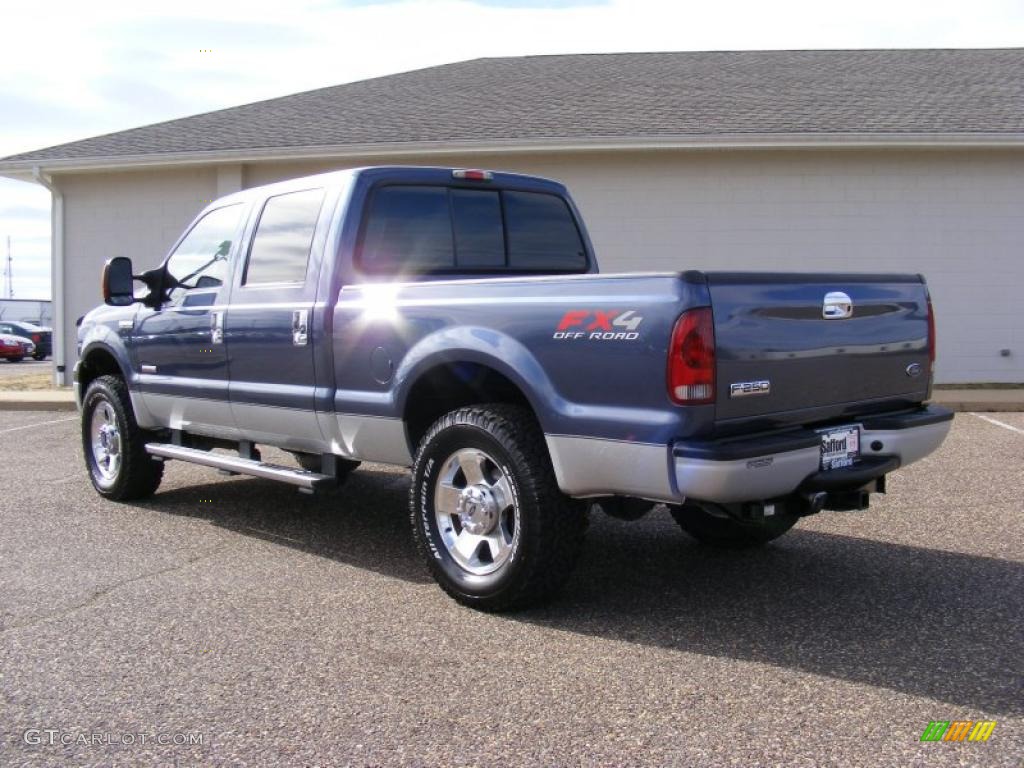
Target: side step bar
305, 481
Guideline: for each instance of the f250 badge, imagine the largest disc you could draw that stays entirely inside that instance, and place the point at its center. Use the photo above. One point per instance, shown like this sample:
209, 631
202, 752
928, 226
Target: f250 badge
748, 388
600, 325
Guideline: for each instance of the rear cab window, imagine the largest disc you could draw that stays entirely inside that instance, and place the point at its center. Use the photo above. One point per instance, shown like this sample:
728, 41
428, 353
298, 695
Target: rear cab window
423, 229
408, 229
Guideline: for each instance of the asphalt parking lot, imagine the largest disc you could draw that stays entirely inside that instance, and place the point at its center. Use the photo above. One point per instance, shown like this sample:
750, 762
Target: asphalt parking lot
287, 630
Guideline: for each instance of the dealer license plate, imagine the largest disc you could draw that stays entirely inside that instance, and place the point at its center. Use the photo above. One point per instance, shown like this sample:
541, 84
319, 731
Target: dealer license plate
840, 447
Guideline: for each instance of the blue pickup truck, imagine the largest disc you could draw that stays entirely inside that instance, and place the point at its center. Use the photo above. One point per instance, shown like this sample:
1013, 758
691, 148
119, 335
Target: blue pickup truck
454, 321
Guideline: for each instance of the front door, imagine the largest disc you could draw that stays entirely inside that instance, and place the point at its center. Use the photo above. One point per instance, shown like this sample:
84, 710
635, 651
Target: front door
179, 347
270, 325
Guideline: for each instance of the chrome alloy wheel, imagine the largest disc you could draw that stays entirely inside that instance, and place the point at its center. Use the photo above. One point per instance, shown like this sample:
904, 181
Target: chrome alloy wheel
105, 436
476, 511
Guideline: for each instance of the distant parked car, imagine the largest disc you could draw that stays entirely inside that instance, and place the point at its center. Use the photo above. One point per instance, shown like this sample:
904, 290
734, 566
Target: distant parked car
40, 336
15, 348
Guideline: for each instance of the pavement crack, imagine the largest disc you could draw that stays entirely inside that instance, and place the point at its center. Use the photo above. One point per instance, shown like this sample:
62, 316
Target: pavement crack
102, 592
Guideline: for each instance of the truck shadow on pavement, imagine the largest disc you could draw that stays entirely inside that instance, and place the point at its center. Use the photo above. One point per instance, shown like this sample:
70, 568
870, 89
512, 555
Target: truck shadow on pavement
365, 523
924, 622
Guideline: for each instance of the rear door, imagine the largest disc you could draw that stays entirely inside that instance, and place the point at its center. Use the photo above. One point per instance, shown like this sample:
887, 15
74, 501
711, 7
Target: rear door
270, 327
179, 347
798, 347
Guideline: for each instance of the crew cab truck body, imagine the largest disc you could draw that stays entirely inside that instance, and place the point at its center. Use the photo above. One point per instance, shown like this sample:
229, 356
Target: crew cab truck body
455, 322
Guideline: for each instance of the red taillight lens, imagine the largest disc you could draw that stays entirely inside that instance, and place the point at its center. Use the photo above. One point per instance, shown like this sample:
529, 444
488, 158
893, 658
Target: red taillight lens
931, 333
35, 338
691, 359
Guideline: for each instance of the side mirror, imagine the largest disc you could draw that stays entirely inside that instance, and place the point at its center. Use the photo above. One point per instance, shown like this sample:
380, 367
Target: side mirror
118, 282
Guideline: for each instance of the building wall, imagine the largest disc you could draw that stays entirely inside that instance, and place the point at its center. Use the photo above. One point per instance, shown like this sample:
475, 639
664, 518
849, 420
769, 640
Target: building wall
957, 217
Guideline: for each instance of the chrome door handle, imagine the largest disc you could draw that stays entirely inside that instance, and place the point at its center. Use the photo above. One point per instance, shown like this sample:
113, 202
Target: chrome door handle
217, 328
300, 327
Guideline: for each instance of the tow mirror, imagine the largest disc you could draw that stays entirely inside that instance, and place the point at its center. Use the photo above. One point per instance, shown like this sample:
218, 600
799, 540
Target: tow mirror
118, 282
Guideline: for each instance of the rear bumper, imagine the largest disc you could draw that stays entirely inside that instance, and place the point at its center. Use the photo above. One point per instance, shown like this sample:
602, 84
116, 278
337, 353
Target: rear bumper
753, 469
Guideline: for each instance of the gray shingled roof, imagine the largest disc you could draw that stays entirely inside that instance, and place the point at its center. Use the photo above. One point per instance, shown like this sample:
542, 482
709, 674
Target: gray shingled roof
607, 96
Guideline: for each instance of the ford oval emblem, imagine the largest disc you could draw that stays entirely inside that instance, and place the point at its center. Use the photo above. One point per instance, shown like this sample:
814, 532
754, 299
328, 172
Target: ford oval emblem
914, 370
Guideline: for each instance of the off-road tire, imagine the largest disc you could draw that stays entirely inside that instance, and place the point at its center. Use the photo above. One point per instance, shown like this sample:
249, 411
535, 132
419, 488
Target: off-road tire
550, 526
139, 474
728, 533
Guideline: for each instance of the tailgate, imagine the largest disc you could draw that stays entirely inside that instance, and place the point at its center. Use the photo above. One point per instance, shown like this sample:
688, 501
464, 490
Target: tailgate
825, 344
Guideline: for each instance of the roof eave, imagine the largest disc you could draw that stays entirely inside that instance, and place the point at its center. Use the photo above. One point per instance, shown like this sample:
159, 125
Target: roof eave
23, 169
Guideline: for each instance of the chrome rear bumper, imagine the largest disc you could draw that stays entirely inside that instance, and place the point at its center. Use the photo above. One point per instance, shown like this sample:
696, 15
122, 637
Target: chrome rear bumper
736, 470
743, 468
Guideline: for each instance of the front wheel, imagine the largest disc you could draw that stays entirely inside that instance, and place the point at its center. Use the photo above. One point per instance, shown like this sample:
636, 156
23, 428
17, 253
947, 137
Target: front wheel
114, 446
487, 514
711, 525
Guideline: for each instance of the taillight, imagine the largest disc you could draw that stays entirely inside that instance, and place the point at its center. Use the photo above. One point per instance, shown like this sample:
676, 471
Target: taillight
691, 358
35, 338
931, 333
472, 174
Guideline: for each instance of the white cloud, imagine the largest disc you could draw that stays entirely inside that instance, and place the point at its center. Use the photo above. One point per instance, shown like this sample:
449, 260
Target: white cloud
75, 69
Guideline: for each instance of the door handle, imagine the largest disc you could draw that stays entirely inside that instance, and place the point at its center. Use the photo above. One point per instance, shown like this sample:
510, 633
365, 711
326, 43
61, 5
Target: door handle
300, 327
217, 328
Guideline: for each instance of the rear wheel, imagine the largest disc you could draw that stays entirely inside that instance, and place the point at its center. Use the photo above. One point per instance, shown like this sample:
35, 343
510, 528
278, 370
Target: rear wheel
114, 446
38, 356
487, 514
711, 525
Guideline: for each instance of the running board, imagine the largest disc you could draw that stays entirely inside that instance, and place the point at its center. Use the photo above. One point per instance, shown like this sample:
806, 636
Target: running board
305, 481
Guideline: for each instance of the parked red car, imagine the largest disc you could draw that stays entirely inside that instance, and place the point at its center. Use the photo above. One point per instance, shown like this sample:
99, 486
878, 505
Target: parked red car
38, 335
14, 348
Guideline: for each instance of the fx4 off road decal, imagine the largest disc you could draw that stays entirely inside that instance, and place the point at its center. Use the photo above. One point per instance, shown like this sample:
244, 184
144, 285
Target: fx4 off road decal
600, 325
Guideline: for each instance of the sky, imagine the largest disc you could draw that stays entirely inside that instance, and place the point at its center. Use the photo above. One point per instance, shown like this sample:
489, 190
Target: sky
69, 70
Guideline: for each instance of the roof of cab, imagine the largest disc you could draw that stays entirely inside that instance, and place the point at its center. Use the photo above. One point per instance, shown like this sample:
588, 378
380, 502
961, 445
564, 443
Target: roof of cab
411, 173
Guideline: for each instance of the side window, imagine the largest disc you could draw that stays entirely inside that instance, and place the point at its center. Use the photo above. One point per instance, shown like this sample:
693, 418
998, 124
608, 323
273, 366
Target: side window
280, 247
542, 234
408, 229
201, 259
479, 239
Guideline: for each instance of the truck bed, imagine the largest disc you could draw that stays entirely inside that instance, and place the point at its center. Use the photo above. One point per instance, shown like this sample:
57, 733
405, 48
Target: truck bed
593, 349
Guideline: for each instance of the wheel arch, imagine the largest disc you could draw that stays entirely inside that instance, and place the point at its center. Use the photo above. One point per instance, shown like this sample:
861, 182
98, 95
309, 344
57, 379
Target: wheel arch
99, 359
464, 366
451, 384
